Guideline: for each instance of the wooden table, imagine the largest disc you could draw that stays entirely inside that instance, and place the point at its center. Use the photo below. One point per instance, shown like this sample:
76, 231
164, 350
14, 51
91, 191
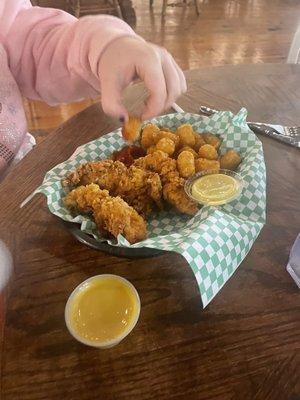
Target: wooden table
244, 345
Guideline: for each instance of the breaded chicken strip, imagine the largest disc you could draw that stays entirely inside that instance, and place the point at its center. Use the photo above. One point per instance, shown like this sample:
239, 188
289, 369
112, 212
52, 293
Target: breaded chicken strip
111, 214
141, 189
173, 184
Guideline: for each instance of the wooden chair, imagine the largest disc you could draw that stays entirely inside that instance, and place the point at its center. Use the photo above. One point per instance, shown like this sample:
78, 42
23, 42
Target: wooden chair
165, 5
78, 8
294, 53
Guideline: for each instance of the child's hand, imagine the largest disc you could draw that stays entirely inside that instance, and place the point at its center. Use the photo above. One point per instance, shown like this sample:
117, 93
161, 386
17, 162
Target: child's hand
130, 57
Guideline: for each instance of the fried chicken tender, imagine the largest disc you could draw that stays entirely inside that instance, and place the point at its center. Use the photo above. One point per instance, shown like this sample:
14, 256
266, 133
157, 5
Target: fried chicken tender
186, 164
112, 214
104, 172
211, 139
202, 164
141, 189
80, 200
230, 160
173, 184
208, 151
149, 135
174, 194
186, 135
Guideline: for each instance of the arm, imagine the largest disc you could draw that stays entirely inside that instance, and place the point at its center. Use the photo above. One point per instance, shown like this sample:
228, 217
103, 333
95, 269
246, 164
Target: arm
53, 56
56, 58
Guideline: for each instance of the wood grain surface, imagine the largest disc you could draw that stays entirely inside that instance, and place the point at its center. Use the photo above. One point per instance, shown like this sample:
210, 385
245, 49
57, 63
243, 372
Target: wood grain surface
244, 345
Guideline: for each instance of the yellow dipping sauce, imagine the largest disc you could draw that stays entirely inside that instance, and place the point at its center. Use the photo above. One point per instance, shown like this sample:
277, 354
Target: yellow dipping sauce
103, 309
215, 189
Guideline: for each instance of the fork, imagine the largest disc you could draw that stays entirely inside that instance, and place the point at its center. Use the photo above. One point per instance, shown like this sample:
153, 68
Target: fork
290, 135
293, 131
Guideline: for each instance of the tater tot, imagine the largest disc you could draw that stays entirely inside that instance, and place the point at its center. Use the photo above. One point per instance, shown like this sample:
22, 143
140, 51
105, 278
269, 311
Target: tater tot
202, 164
208, 151
199, 141
230, 160
212, 139
168, 135
186, 135
186, 164
166, 145
151, 149
149, 135
187, 148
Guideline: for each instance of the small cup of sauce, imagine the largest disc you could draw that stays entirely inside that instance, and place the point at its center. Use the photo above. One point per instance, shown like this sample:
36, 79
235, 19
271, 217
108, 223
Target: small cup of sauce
102, 310
214, 189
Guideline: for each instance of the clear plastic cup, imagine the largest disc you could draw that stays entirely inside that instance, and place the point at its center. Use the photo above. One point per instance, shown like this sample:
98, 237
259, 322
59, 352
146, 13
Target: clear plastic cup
108, 343
214, 202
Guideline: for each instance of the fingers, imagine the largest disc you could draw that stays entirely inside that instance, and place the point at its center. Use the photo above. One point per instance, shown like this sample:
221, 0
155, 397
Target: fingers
182, 79
111, 98
151, 72
165, 85
155, 66
172, 79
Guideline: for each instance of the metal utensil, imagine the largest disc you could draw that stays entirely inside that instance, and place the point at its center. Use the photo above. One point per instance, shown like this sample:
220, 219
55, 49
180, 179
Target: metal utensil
290, 135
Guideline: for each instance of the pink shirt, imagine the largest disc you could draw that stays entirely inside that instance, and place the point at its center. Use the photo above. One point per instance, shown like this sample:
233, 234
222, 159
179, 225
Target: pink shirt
46, 54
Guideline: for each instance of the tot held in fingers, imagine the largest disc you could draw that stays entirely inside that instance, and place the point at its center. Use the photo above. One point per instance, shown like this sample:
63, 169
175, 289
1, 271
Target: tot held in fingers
132, 129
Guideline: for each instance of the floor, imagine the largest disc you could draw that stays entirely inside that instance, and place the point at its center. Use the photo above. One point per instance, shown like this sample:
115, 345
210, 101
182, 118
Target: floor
226, 32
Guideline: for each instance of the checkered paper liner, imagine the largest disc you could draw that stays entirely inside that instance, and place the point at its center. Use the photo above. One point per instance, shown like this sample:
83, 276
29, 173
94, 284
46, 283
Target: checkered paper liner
216, 240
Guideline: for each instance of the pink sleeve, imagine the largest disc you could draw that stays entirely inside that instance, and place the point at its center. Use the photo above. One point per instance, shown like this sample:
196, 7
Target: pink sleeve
52, 55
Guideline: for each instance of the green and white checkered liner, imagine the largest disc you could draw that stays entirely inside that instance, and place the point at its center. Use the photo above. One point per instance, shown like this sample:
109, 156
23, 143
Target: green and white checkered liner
216, 240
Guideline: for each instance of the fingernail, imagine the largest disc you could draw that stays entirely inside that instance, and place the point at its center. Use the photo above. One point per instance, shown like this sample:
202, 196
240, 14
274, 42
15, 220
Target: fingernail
122, 119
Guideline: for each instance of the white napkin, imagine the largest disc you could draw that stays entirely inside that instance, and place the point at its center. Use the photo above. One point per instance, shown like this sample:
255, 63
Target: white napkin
28, 143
